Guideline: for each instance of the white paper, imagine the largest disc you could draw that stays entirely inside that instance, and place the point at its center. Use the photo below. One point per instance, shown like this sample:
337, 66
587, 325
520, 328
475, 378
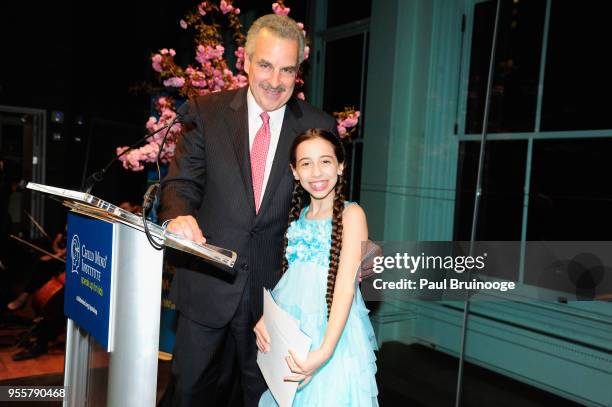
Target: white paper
285, 333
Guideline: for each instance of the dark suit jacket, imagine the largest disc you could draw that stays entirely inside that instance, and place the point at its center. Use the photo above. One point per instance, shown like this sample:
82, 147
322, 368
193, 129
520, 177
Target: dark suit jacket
210, 178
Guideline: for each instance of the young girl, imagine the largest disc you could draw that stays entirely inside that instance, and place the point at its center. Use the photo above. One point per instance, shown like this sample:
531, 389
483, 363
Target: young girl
318, 287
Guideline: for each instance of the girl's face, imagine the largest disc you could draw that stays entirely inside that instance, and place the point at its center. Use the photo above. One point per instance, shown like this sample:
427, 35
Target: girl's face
316, 167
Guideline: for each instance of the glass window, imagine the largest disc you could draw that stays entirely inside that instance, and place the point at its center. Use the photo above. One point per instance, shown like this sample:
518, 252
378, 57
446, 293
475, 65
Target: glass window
343, 71
567, 198
344, 74
577, 84
340, 12
516, 69
501, 204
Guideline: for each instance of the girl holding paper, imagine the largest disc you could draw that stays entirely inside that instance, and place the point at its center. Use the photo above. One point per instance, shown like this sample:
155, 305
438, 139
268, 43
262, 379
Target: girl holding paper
321, 258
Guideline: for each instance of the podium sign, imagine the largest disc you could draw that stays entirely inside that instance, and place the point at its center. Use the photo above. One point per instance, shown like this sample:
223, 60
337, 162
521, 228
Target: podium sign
88, 291
112, 296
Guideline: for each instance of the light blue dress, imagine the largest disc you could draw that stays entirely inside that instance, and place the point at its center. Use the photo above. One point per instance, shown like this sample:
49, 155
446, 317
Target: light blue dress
347, 378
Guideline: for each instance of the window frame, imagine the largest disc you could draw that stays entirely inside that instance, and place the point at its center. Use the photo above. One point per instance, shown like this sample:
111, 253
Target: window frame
530, 137
322, 35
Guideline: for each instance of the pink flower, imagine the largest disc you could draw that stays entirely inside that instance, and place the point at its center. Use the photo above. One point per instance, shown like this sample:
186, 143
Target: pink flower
352, 119
175, 82
349, 122
176, 128
236, 11
301, 25
168, 114
241, 81
134, 160
162, 101
163, 51
239, 58
225, 8
201, 8
280, 10
206, 53
219, 50
172, 52
300, 95
151, 123
201, 54
220, 83
183, 24
131, 161
157, 60
198, 79
348, 119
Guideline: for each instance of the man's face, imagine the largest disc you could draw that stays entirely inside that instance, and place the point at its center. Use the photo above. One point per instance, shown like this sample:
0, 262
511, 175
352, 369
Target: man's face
272, 69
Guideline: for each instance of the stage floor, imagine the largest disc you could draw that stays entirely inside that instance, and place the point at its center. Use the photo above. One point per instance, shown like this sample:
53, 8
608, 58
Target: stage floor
408, 375
12, 327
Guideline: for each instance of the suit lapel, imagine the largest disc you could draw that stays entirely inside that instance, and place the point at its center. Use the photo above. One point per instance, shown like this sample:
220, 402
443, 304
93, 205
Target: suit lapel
280, 165
237, 121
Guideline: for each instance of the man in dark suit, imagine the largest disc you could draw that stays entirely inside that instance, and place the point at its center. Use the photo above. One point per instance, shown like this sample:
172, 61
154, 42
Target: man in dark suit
230, 185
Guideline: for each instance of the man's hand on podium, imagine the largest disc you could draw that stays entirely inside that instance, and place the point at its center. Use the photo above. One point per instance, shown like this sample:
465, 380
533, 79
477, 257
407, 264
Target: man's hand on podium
187, 227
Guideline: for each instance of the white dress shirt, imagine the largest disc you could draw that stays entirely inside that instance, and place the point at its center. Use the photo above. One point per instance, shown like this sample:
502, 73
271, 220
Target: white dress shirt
255, 123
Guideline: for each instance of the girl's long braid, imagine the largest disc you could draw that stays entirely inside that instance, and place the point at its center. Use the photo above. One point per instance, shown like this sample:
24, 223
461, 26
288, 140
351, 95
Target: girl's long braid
336, 241
297, 202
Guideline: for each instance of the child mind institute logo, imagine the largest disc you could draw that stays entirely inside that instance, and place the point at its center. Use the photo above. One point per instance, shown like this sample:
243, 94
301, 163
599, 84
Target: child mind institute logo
75, 250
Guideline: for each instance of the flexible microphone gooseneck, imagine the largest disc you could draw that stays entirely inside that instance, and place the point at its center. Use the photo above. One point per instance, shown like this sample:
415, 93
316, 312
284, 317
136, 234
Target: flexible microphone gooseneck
151, 195
98, 176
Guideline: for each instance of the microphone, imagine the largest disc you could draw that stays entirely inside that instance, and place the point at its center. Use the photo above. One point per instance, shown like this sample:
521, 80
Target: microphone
98, 176
149, 197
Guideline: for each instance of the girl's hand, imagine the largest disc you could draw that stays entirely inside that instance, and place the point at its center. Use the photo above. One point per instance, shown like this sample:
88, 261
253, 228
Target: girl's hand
262, 337
305, 369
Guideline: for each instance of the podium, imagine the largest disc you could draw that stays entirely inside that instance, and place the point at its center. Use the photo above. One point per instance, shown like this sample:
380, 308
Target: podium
113, 299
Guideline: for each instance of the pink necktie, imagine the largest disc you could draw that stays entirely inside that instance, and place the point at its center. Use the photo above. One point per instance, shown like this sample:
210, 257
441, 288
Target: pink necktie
259, 154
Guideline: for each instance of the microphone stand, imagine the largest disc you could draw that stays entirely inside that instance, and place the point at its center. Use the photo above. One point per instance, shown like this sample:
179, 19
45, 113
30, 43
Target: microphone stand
151, 194
475, 216
99, 175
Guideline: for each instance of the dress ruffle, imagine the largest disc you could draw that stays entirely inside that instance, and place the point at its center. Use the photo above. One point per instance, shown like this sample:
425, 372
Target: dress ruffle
309, 243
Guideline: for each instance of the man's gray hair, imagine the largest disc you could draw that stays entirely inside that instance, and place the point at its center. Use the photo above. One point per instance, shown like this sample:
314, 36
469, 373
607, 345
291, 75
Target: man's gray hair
281, 26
